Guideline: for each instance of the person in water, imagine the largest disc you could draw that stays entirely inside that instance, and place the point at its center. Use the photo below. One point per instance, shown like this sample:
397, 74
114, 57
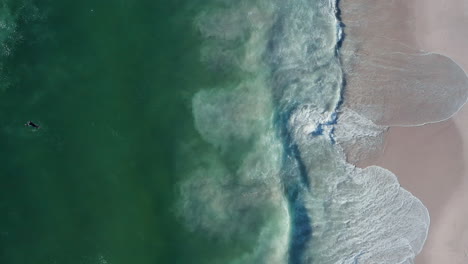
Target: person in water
32, 124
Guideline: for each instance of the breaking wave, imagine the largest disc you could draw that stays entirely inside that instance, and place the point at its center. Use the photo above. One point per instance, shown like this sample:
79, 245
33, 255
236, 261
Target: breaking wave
275, 173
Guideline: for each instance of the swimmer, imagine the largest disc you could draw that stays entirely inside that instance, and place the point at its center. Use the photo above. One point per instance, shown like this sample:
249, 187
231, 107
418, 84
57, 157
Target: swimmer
32, 124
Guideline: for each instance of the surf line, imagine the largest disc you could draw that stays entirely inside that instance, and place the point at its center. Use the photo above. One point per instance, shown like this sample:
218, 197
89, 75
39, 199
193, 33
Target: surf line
294, 173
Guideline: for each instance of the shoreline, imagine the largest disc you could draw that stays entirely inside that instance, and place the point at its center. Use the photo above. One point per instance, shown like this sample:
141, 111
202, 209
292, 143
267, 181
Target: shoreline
432, 169
413, 151
447, 240
430, 158
456, 112
405, 87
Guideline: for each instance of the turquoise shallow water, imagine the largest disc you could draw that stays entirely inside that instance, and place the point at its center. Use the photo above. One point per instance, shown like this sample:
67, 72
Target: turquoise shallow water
110, 83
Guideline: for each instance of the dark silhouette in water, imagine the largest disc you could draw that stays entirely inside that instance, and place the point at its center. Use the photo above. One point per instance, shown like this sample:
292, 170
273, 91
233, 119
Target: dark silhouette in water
32, 124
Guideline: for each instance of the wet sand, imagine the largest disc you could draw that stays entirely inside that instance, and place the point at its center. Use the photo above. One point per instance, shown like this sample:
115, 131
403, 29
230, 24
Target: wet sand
442, 29
392, 79
431, 160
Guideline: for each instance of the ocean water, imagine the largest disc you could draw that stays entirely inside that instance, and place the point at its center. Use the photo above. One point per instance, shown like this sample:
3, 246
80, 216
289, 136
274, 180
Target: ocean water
188, 132
110, 83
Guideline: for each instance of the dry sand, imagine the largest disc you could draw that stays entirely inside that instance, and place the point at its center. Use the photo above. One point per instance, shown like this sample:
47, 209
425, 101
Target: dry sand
431, 161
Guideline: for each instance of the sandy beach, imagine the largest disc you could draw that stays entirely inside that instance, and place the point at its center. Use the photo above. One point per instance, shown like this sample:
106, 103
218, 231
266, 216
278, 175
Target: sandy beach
430, 160
391, 78
440, 26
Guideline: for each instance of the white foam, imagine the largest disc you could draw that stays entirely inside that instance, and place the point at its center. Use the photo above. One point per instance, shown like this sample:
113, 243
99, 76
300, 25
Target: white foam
285, 52
356, 211
360, 138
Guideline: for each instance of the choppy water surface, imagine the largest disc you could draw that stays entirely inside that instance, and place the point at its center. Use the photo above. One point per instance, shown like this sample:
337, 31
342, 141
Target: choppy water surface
188, 132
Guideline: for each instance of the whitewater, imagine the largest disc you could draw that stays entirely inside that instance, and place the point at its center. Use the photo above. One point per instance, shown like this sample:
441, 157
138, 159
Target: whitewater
275, 173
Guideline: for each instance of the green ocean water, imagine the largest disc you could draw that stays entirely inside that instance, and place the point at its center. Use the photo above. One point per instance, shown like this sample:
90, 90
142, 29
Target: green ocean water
186, 131
110, 83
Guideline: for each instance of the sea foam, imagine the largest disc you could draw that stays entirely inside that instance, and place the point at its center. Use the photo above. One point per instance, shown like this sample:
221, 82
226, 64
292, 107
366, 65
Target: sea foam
275, 174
